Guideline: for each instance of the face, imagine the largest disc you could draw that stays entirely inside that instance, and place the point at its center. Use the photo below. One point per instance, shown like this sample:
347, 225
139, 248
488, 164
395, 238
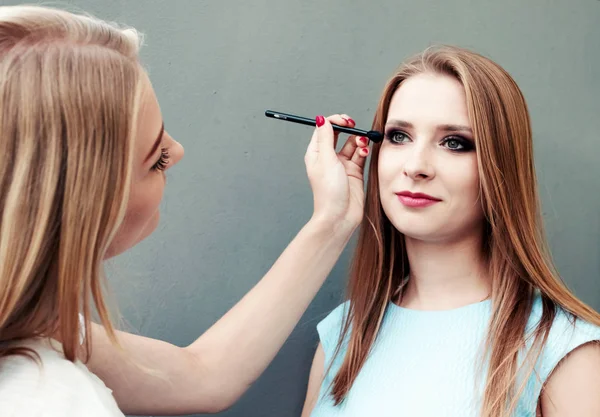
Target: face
155, 151
427, 166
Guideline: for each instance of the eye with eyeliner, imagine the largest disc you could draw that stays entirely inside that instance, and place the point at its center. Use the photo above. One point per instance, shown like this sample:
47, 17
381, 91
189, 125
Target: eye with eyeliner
465, 145
396, 136
163, 160
454, 143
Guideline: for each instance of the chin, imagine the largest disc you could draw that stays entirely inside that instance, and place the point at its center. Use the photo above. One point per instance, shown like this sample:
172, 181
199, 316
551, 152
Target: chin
426, 230
440, 233
417, 226
423, 235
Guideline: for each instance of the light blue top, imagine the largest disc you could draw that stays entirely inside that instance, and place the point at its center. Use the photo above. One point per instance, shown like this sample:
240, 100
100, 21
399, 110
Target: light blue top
424, 363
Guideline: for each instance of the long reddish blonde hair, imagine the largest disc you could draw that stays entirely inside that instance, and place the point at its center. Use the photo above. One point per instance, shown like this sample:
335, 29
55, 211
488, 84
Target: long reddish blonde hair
515, 245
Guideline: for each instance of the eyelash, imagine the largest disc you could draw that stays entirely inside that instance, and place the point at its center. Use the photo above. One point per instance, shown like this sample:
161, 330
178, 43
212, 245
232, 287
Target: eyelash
163, 161
467, 145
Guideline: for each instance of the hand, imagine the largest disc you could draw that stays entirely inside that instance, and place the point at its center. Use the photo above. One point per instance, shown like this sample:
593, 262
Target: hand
336, 179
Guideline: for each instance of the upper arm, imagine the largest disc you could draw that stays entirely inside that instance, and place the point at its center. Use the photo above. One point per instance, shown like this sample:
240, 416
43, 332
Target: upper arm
314, 381
150, 376
572, 389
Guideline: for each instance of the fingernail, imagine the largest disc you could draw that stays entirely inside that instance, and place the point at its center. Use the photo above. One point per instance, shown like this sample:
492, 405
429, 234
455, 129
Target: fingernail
352, 122
365, 151
320, 121
364, 140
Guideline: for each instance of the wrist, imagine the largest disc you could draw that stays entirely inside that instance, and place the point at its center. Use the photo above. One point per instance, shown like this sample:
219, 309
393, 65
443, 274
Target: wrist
328, 228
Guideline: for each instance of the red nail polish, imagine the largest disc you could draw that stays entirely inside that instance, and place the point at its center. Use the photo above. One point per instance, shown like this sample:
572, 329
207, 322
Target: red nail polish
320, 121
352, 122
364, 140
366, 151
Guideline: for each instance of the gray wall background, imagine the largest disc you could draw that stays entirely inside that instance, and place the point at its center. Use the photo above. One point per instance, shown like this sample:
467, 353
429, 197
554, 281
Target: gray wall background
241, 194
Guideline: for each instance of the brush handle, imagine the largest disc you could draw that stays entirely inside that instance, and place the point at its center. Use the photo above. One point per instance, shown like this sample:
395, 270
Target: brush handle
371, 134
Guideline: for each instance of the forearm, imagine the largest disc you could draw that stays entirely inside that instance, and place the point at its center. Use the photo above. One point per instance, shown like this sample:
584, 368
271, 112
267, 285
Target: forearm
154, 377
243, 342
211, 373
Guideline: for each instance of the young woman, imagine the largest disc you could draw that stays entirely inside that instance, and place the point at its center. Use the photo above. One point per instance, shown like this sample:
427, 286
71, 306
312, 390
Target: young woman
85, 152
454, 308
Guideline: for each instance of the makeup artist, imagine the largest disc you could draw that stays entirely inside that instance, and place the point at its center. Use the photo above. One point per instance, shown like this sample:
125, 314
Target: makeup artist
83, 175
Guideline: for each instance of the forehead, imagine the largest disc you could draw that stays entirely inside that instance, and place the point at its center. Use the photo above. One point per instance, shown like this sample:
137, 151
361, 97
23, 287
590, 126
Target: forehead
430, 98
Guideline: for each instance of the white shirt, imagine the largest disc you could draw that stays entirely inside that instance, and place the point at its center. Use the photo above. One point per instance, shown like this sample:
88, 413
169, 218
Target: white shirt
59, 388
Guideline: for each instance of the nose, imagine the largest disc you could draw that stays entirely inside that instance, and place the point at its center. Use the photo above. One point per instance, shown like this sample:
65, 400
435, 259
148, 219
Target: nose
176, 151
418, 164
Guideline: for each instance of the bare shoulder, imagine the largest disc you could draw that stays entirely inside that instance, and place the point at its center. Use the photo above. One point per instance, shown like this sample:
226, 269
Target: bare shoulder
572, 388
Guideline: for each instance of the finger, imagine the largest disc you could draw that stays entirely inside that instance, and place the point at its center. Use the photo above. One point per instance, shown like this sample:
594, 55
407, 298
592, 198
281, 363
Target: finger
348, 119
340, 120
360, 156
352, 144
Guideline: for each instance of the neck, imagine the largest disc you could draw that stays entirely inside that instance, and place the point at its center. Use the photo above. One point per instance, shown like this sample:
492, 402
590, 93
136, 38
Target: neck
445, 275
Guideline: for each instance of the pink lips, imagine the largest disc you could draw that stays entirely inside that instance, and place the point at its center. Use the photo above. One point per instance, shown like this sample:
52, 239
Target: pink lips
416, 200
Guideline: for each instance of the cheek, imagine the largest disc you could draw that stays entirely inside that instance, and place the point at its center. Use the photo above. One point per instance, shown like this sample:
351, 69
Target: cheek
142, 214
388, 167
143, 204
463, 187
463, 179
145, 199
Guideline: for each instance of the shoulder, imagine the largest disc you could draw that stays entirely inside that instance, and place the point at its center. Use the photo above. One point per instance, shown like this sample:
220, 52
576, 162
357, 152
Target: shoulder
330, 328
566, 334
571, 346
334, 319
567, 338
573, 385
52, 386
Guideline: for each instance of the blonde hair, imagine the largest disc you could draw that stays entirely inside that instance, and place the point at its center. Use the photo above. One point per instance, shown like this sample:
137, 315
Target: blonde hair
70, 88
519, 261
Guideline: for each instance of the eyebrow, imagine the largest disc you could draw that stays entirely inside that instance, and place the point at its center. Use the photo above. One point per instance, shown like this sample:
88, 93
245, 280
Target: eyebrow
156, 142
442, 128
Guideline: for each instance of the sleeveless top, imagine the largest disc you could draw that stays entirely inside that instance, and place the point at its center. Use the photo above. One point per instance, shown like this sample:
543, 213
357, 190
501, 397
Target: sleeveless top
425, 363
